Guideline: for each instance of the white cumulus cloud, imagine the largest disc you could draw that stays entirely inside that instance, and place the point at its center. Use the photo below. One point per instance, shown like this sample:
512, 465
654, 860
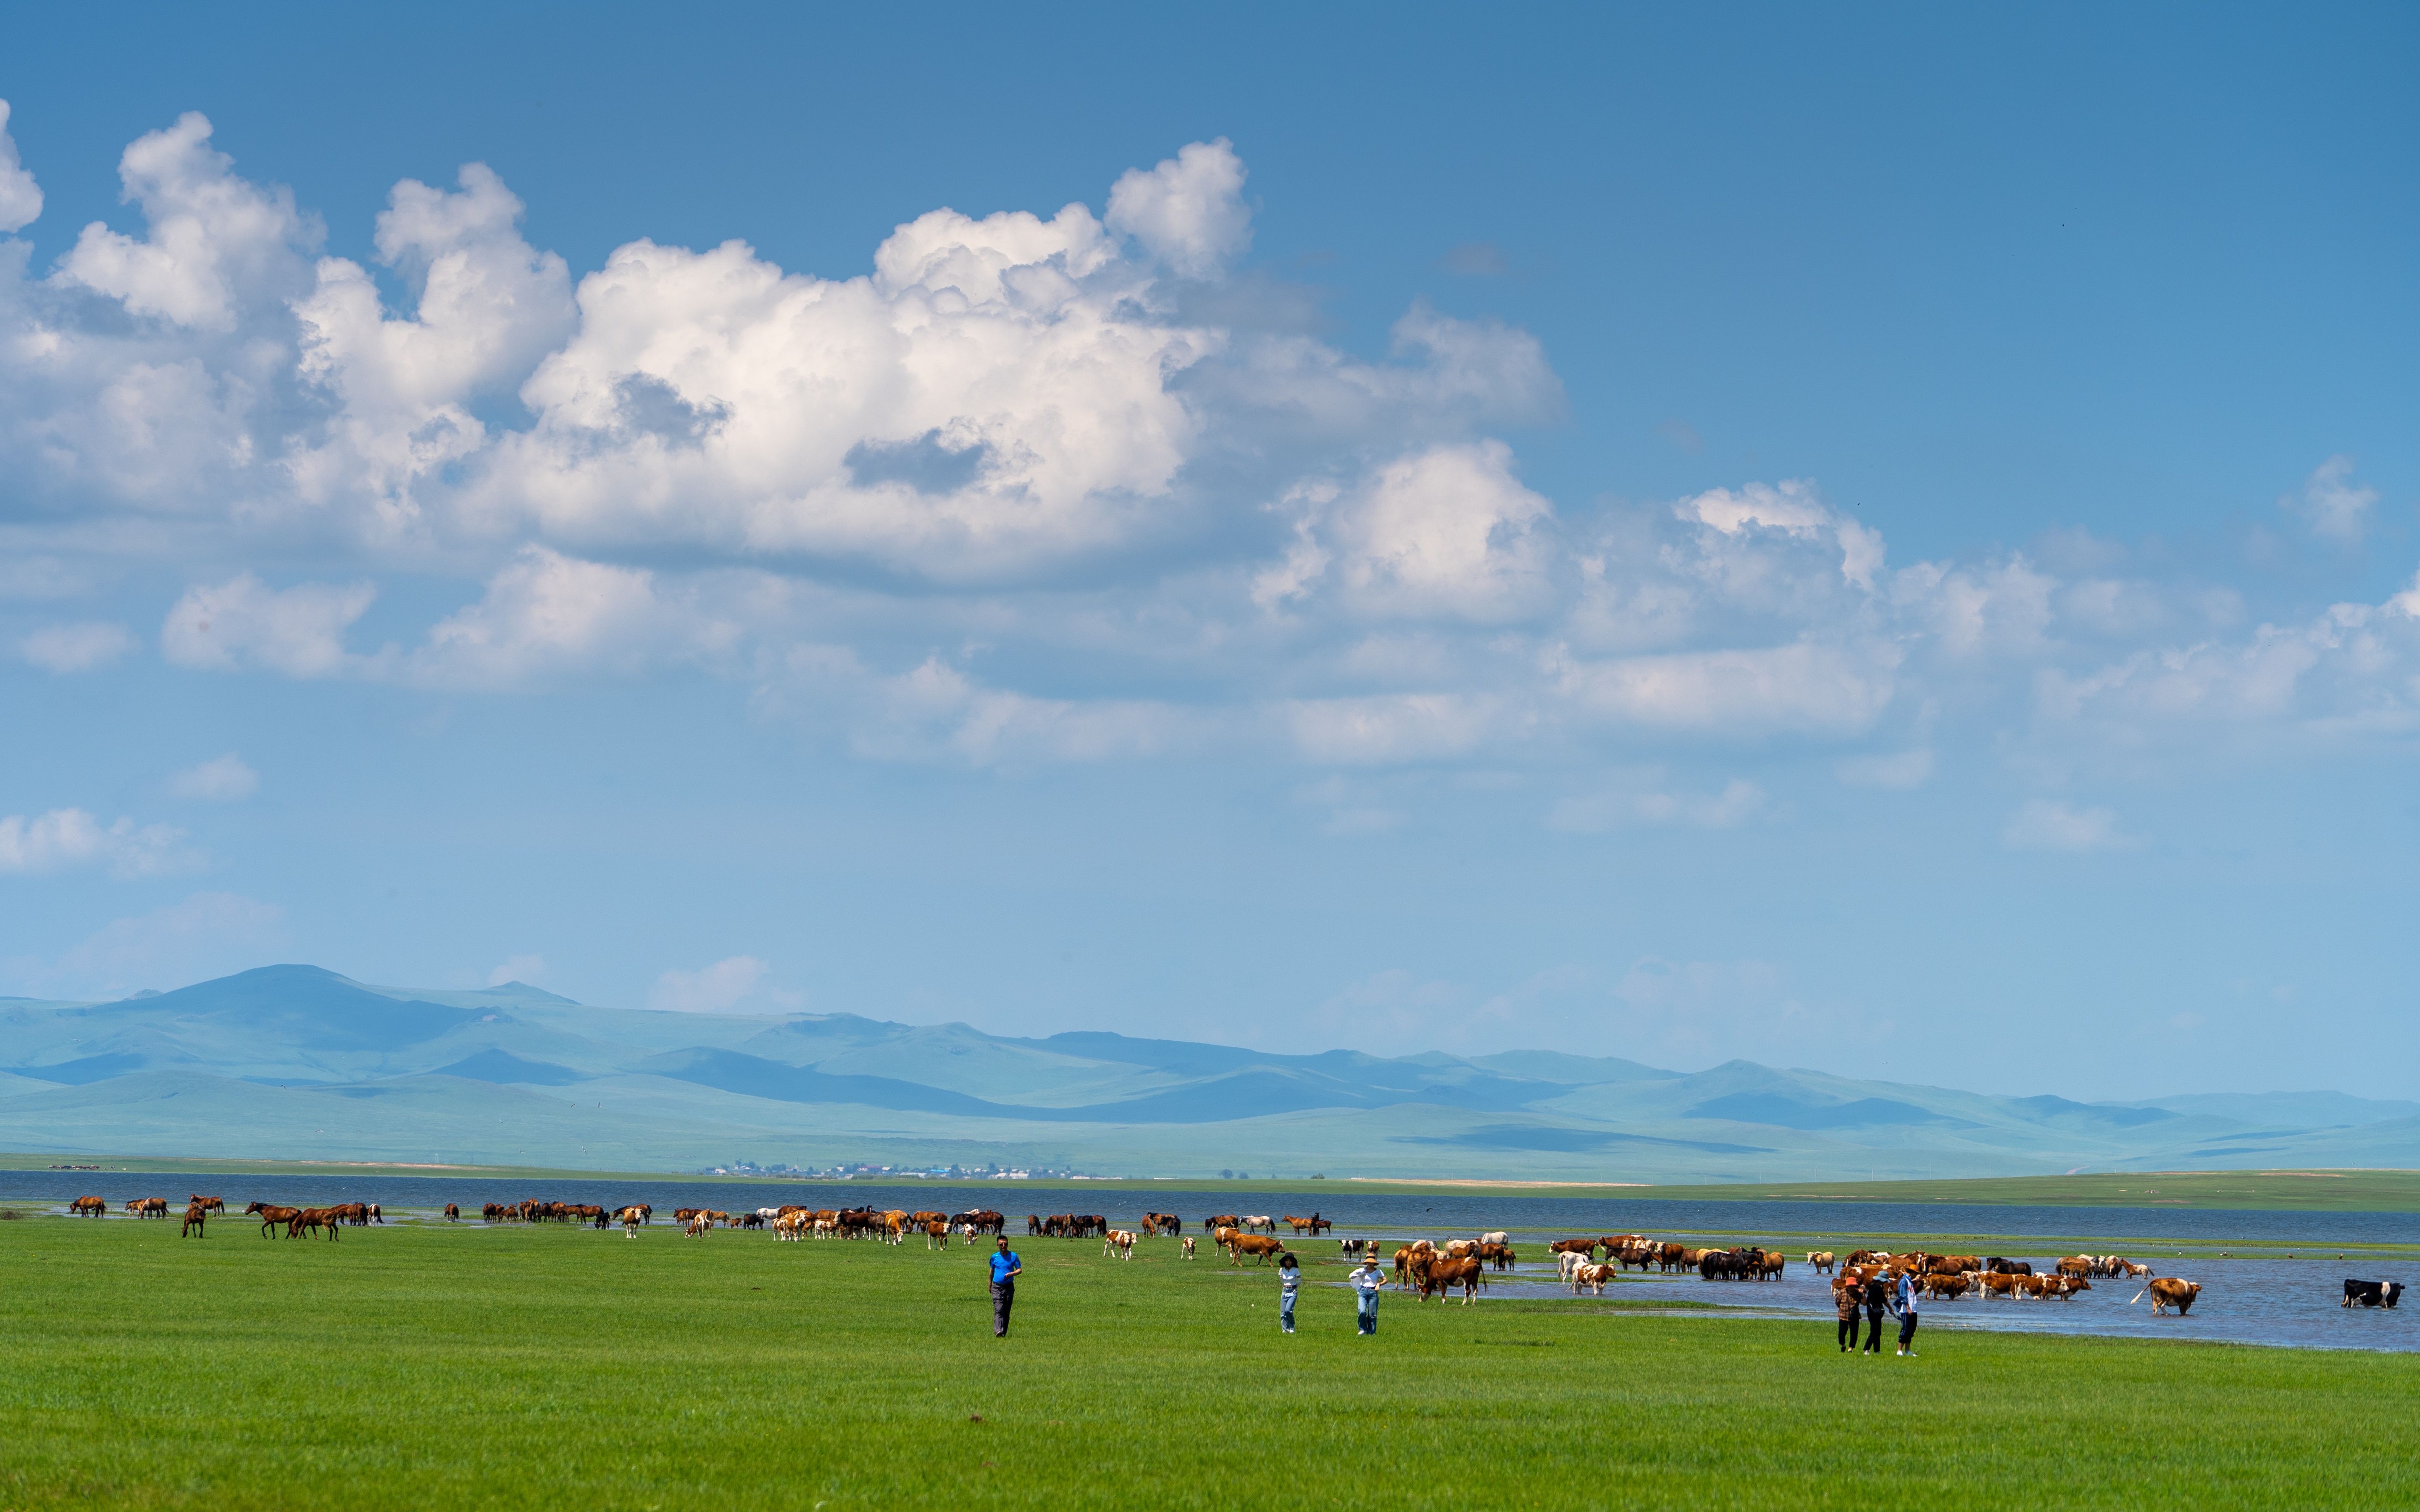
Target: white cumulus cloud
299, 631
21, 198
2051, 824
219, 779
1188, 209
76, 648
2335, 507
714, 989
520, 968
68, 839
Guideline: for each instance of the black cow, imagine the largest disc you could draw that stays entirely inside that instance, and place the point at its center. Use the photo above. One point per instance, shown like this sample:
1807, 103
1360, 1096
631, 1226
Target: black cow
2372, 1293
1998, 1266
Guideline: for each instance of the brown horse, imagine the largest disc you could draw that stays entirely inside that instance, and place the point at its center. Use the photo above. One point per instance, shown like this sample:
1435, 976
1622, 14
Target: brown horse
88, 1207
453, 1211
327, 1219
195, 1216
207, 1203
148, 1207
270, 1217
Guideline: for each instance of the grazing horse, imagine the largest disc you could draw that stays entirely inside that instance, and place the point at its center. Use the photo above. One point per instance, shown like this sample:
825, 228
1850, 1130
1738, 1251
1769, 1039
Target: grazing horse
195, 1217
272, 1217
453, 1211
148, 1207
325, 1219
88, 1207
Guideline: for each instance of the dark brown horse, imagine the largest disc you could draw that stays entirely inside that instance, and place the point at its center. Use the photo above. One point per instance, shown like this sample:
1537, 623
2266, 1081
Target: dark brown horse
270, 1217
195, 1216
452, 1212
207, 1203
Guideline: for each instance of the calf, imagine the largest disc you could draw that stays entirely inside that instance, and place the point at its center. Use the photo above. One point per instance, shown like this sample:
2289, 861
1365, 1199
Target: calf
1122, 1241
2373, 1294
1186, 1246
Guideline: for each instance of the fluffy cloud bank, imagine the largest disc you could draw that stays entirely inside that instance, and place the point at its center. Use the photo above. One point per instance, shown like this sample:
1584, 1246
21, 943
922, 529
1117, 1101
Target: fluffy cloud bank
1015, 440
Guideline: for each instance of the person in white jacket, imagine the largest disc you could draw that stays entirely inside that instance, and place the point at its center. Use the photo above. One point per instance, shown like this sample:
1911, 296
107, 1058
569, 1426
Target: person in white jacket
1366, 1282
1289, 1283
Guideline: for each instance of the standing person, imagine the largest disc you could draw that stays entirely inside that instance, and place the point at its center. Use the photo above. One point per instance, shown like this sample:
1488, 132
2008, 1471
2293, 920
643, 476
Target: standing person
1366, 1282
1005, 1268
1846, 1300
1907, 1312
1877, 1303
1288, 1282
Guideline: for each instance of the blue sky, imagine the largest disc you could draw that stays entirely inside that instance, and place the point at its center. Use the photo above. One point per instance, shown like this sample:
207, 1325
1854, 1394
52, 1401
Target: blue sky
1882, 542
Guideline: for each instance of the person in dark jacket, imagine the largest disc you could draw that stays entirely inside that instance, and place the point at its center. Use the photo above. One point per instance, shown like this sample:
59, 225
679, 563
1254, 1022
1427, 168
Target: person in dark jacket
1877, 1303
1847, 1300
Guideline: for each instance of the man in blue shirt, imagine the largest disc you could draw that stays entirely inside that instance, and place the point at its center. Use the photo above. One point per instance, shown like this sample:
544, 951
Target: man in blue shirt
1005, 1268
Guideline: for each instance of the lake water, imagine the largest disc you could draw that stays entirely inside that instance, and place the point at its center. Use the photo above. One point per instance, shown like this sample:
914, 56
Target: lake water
2261, 1298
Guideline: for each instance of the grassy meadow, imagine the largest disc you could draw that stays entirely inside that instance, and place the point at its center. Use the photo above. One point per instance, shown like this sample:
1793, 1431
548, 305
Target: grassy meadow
423, 1365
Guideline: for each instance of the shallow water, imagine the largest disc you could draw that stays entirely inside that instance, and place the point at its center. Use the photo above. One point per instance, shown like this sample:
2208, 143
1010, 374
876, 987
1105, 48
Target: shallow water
2294, 1303
2256, 1301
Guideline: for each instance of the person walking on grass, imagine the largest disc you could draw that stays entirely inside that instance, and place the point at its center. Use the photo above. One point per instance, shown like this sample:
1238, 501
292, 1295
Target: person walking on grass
1366, 1282
1288, 1282
1907, 1312
1877, 1303
1005, 1268
1846, 1300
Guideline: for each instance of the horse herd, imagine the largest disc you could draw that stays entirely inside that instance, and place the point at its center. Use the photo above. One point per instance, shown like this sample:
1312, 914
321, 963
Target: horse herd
1427, 1267
199, 1209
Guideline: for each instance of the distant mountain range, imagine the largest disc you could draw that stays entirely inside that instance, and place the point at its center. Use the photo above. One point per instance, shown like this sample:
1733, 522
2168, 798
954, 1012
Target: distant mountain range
294, 1062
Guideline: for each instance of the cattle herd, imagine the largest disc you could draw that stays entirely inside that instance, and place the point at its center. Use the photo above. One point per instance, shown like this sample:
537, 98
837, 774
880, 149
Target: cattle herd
1426, 1267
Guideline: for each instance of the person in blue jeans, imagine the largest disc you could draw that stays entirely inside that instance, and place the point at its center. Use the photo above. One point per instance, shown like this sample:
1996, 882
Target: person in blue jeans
1289, 1283
1005, 1268
1366, 1282
1907, 1312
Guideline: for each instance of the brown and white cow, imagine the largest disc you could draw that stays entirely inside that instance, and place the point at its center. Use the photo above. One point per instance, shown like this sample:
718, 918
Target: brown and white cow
2168, 1292
1440, 1276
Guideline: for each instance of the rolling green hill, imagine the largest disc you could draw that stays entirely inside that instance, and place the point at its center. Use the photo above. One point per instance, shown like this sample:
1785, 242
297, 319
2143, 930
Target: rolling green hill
295, 1062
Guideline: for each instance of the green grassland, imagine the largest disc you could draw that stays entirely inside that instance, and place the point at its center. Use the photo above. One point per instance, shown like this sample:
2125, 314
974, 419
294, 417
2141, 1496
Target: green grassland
429, 1365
